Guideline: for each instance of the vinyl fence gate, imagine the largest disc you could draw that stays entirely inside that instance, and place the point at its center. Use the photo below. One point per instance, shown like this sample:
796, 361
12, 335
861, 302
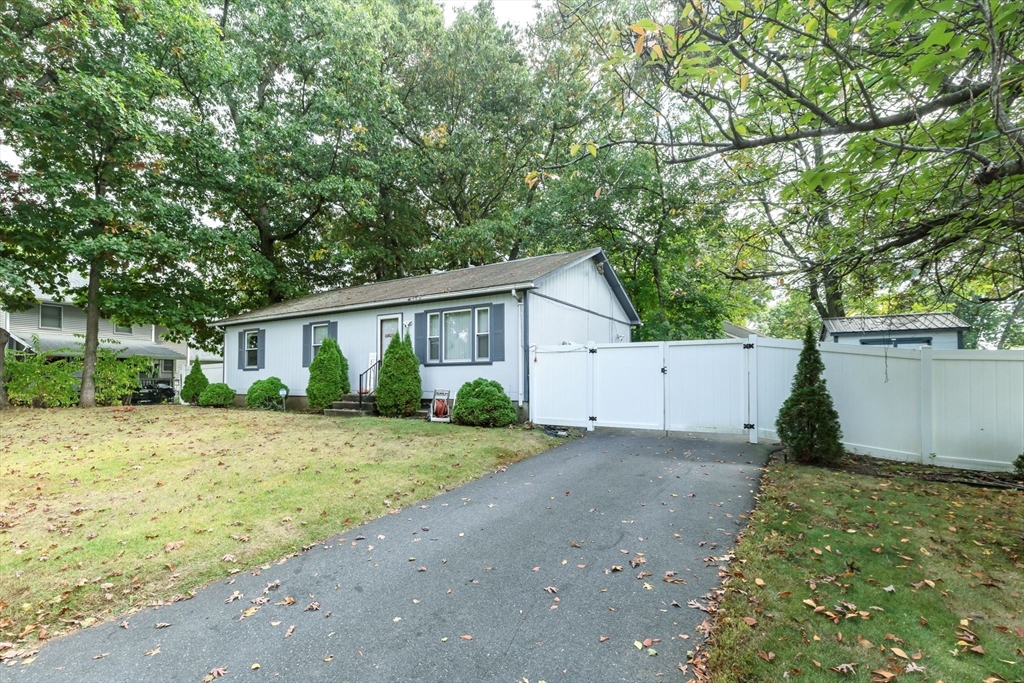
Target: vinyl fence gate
707, 385
956, 408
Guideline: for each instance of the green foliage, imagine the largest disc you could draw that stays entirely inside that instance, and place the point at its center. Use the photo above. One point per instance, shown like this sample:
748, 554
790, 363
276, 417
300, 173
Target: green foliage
117, 378
399, 390
788, 317
1018, 465
808, 424
37, 381
195, 382
328, 379
265, 394
218, 395
483, 403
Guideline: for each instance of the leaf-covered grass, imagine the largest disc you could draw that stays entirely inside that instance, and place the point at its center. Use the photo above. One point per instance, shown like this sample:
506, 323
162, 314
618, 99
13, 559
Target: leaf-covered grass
908, 570
89, 500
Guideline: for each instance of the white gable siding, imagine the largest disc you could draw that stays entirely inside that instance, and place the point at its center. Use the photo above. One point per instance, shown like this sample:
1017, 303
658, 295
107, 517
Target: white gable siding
945, 341
576, 305
357, 336
26, 323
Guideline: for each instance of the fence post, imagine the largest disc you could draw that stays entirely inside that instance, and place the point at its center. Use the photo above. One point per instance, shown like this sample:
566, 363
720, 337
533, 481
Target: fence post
751, 356
927, 415
591, 384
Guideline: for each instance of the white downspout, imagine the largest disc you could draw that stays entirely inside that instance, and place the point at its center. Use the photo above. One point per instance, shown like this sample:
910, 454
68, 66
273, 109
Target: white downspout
519, 348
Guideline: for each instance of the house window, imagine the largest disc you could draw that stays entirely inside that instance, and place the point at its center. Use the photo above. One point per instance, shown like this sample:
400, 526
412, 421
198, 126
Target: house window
483, 333
252, 349
319, 334
168, 365
457, 342
433, 337
51, 316
123, 329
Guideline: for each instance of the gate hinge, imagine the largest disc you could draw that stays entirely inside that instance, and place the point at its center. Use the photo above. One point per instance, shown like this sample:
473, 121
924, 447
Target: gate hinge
664, 369
748, 425
592, 418
592, 350
748, 346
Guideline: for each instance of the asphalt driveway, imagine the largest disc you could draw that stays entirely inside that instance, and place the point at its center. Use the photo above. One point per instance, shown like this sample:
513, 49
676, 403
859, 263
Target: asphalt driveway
502, 579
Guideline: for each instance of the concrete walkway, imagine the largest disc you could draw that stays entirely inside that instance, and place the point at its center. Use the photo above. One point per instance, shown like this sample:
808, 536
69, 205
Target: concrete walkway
400, 596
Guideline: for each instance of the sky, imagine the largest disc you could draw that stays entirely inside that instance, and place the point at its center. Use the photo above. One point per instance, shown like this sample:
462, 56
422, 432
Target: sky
519, 12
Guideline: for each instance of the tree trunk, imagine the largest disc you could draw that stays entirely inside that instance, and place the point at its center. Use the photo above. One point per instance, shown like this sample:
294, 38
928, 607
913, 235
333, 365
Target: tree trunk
87, 397
5, 337
1009, 327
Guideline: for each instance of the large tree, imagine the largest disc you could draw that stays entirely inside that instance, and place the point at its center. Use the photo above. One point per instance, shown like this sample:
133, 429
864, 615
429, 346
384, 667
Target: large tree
901, 122
92, 108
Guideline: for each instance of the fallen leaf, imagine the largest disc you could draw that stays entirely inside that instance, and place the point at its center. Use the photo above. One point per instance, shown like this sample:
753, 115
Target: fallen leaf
750, 621
255, 665
173, 545
100, 656
766, 656
154, 651
759, 582
551, 589
466, 637
290, 631
847, 668
328, 658
312, 607
162, 624
218, 671
603, 639
899, 653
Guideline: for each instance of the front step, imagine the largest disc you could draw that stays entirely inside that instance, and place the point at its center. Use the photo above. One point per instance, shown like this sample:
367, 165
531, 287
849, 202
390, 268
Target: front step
351, 402
347, 412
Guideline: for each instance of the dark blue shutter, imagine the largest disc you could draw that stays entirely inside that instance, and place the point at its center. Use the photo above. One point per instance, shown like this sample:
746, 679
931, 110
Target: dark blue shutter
241, 350
261, 355
420, 337
307, 345
498, 332
332, 330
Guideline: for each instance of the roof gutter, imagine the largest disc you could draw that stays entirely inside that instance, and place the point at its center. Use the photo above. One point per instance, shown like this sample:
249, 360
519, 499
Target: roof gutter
374, 304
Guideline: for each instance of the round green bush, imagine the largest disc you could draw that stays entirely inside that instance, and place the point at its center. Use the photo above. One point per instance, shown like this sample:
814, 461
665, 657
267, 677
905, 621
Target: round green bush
399, 389
265, 394
483, 403
218, 395
325, 376
195, 382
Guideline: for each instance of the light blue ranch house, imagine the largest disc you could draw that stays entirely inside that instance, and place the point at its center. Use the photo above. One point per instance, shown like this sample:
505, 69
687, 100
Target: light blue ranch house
468, 323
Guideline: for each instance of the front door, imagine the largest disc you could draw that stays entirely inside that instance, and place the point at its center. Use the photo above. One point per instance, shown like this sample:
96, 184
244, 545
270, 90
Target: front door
389, 326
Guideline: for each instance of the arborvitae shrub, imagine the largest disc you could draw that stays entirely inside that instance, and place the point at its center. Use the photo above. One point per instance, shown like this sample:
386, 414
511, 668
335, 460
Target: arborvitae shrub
325, 376
483, 403
808, 423
217, 395
195, 382
265, 394
399, 389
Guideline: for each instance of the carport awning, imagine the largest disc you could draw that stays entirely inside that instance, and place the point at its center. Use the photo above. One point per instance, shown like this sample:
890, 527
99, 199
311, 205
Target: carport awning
68, 345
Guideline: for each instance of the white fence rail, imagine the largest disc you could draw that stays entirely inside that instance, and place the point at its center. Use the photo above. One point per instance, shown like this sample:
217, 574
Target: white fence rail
952, 408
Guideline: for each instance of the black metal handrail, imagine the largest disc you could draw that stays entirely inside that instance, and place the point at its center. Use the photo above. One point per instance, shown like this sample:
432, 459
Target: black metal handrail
368, 382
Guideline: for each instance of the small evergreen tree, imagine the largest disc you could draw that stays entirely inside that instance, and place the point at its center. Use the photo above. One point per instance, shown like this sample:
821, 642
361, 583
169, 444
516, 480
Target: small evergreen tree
346, 385
195, 382
808, 423
325, 383
399, 389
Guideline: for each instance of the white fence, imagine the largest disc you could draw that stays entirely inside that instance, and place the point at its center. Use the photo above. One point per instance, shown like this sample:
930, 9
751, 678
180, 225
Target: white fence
951, 408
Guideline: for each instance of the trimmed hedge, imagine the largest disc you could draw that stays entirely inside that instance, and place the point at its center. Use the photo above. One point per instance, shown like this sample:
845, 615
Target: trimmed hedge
808, 423
483, 403
265, 394
194, 384
399, 389
217, 395
328, 376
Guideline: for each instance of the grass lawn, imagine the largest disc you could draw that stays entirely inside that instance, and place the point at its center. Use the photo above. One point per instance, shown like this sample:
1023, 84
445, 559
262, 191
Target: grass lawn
102, 510
880, 578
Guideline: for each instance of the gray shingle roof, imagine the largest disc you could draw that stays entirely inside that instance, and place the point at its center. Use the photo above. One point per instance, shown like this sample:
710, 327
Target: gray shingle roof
904, 322
519, 274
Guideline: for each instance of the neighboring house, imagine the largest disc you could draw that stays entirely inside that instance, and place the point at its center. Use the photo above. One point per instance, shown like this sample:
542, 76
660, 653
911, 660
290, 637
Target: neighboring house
56, 328
465, 324
907, 330
734, 331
